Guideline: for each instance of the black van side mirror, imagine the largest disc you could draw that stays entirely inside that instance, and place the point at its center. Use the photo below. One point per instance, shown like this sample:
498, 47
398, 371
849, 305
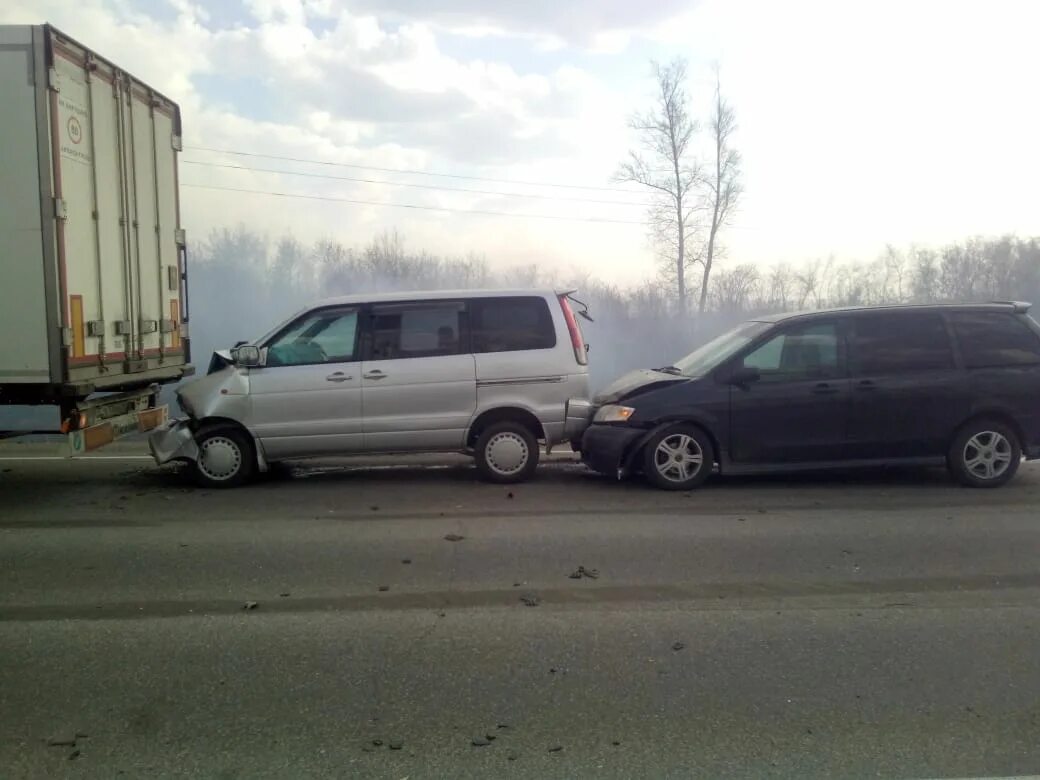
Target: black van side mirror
742, 376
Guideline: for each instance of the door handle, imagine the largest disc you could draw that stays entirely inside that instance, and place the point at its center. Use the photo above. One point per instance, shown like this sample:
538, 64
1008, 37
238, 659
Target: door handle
824, 388
866, 384
377, 374
339, 376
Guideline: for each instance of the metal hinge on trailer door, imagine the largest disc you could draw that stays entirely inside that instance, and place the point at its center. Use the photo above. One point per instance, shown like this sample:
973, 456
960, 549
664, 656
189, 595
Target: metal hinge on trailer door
53, 82
59, 209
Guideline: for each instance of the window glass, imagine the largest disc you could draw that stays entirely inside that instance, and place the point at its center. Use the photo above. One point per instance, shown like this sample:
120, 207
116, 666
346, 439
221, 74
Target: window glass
416, 330
319, 337
708, 356
899, 343
995, 339
510, 324
799, 353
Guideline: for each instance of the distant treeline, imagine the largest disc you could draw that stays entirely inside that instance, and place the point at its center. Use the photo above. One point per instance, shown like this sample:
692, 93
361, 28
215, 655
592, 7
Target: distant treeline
242, 283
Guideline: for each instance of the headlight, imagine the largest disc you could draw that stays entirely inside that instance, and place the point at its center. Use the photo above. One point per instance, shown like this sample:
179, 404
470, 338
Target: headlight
614, 413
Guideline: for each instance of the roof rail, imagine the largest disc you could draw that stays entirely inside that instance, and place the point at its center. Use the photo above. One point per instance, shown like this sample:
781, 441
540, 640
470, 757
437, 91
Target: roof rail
1020, 307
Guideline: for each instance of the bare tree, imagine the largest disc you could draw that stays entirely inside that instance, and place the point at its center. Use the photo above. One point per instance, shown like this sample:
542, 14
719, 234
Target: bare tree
722, 186
665, 166
733, 290
781, 287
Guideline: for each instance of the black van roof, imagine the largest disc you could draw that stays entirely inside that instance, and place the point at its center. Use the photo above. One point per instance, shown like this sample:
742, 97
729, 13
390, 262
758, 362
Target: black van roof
1018, 307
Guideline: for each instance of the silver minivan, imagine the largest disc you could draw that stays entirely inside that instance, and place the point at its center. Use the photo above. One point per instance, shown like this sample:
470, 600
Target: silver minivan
491, 374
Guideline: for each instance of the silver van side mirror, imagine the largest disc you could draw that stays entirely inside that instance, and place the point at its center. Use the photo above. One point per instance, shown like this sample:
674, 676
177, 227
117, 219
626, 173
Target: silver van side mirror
248, 356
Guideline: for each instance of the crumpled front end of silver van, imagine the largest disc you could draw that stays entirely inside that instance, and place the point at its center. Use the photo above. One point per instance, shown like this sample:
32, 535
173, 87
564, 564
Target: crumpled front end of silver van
221, 393
173, 441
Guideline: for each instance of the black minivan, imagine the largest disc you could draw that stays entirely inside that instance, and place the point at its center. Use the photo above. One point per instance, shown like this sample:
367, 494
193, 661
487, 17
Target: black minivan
926, 385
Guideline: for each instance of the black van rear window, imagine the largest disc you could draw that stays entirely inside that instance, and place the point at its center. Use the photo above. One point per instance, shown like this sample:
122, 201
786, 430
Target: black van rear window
990, 339
511, 324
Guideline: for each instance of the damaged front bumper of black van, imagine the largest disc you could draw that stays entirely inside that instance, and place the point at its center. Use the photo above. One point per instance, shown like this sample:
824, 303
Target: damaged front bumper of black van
609, 449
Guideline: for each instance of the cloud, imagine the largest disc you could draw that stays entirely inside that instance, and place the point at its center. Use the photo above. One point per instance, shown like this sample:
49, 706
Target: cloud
580, 22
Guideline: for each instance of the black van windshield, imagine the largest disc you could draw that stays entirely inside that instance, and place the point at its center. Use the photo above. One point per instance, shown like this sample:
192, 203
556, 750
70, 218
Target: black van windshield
705, 358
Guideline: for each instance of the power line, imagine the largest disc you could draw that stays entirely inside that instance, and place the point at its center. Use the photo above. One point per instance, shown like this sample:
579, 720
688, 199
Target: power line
413, 205
413, 185
409, 171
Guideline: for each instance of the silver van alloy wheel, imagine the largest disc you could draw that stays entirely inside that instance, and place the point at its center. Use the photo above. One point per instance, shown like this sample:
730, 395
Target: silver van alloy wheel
220, 458
678, 457
987, 454
506, 453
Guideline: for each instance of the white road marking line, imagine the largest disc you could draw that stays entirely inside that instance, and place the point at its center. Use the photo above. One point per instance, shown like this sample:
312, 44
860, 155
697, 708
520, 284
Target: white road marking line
76, 457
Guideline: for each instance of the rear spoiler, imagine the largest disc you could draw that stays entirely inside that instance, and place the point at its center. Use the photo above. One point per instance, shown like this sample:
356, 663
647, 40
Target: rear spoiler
1020, 307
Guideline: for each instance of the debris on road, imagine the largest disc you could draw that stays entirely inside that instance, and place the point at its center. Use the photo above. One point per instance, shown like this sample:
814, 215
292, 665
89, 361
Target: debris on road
556, 748
502, 726
377, 742
615, 742
453, 538
250, 605
678, 646
480, 742
509, 494
384, 588
61, 742
396, 744
530, 600
81, 735
374, 508
73, 755
581, 571
406, 560
490, 737
517, 584
284, 595
512, 757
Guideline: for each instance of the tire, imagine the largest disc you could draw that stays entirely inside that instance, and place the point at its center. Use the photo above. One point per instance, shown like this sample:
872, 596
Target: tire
985, 453
678, 458
506, 452
226, 458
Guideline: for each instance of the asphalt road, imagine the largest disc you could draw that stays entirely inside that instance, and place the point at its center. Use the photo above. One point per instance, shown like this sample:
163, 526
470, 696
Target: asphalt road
871, 625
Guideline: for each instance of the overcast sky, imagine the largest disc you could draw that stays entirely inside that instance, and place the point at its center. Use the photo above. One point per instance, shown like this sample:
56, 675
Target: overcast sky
860, 123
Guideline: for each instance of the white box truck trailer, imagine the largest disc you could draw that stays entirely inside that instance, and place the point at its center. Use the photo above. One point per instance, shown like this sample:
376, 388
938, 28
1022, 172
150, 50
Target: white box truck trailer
93, 285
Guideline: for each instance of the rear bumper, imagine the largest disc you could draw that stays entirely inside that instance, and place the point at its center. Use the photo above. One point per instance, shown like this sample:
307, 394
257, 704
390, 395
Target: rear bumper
605, 448
173, 441
578, 416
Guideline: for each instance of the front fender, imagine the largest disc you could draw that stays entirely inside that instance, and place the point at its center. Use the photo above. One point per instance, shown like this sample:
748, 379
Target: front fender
628, 459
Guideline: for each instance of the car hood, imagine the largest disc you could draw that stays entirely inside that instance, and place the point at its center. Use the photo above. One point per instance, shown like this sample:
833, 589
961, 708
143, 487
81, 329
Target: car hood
635, 383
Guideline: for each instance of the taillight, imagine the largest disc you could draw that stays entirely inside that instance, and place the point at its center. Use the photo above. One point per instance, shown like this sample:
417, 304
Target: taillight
577, 340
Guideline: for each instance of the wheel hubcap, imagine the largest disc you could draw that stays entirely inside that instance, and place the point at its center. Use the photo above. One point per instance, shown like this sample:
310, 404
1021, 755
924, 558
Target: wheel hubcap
678, 457
219, 458
507, 453
987, 454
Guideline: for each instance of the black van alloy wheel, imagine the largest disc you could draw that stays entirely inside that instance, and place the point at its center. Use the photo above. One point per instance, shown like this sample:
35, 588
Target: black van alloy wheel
985, 453
678, 458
